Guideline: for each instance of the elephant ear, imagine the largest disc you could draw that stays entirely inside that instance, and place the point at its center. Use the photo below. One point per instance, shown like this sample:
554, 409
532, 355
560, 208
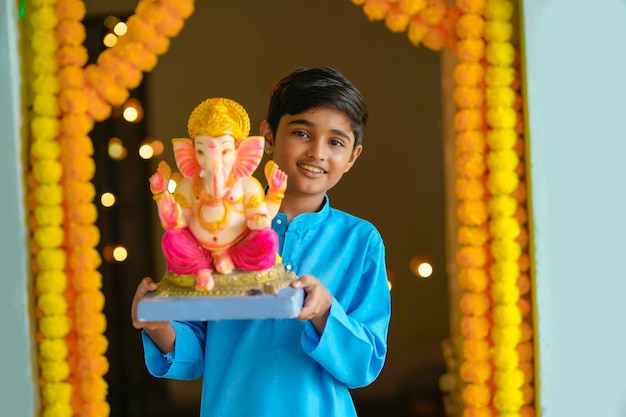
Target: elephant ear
249, 155
185, 156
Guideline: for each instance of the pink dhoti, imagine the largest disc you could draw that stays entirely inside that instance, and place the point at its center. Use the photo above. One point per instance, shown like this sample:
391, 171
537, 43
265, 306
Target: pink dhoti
185, 255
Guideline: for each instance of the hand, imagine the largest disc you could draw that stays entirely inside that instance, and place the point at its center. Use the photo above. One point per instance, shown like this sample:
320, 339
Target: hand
158, 182
145, 286
277, 179
169, 211
259, 221
316, 302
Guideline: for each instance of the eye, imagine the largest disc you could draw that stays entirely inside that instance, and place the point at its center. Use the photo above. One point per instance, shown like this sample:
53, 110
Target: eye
335, 142
199, 151
226, 151
301, 133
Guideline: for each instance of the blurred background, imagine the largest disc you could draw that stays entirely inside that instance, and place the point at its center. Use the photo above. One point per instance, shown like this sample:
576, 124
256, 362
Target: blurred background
240, 49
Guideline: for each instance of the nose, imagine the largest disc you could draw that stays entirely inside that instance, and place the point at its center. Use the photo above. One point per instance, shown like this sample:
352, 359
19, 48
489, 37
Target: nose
317, 150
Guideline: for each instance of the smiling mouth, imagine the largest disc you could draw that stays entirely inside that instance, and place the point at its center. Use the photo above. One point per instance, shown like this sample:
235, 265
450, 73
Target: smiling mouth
311, 169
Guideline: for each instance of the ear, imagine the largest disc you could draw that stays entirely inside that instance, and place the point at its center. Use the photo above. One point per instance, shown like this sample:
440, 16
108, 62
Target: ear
266, 131
185, 156
355, 154
249, 155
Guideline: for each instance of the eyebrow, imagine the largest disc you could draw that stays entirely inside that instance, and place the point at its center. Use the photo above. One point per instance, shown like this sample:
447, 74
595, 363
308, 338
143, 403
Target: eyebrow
311, 124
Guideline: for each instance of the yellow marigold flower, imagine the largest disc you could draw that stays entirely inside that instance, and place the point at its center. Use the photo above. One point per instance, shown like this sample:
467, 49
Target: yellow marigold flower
504, 228
52, 304
473, 411
59, 409
54, 349
505, 292
49, 236
59, 392
502, 182
467, 97
508, 400
473, 279
468, 74
506, 250
472, 235
475, 371
472, 212
500, 53
55, 371
470, 141
499, 76
45, 64
43, 42
504, 358
470, 165
469, 188
500, 96
46, 105
43, 18
49, 215
474, 303
46, 83
470, 26
501, 117
498, 31
47, 171
502, 206
507, 315
474, 327
470, 50
42, 3
45, 128
412, 7
502, 160
45, 149
510, 378
54, 326
50, 194
499, 9
475, 349
51, 281
396, 21
51, 259
506, 337
476, 395
468, 119
507, 271
417, 32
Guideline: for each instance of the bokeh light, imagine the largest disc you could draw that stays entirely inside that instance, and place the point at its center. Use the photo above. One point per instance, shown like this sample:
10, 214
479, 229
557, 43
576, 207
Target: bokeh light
108, 199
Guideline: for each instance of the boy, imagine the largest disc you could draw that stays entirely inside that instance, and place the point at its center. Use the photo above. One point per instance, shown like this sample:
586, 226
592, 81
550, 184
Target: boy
305, 367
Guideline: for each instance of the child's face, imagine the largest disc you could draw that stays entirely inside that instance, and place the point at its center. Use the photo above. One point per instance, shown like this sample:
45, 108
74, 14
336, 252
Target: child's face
315, 149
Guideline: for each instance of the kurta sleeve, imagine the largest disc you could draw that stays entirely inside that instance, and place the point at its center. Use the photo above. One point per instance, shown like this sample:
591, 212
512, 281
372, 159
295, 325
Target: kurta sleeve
353, 345
186, 361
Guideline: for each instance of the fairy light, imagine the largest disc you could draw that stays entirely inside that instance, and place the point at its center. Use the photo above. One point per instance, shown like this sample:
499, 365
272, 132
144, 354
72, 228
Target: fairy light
116, 149
108, 199
146, 151
109, 40
120, 253
120, 29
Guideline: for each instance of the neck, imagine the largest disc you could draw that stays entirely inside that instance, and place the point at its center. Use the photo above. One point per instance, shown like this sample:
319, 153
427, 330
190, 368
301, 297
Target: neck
293, 206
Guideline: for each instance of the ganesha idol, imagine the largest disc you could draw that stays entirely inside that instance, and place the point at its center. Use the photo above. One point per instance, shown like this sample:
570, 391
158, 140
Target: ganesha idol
218, 238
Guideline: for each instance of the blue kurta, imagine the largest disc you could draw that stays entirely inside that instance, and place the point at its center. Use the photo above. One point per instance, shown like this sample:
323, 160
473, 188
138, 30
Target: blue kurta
275, 368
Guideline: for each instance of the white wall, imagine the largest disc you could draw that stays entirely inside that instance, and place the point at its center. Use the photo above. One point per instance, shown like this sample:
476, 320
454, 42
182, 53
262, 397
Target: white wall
17, 390
576, 82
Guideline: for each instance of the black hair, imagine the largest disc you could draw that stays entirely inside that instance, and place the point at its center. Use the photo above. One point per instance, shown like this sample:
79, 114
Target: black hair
310, 88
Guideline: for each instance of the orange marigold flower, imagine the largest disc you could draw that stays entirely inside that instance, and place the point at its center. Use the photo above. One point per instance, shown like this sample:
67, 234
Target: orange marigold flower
76, 124
468, 74
396, 20
468, 119
73, 100
70, 9
83, 235
434, 13
468, 97
412, 7
417, 31
181, 8
90, 324
470, 26
474, 327
72, 55
71, 32
92, 345
475, 395
71, 77
472, 212
470, 50
82, 213
473, 279
475, 371
476, 349
470, 165
83, 259
87, 280
472, 235
474, 304
375, 9
471, 6
471, 141
93, 389
527, 330
473, 411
